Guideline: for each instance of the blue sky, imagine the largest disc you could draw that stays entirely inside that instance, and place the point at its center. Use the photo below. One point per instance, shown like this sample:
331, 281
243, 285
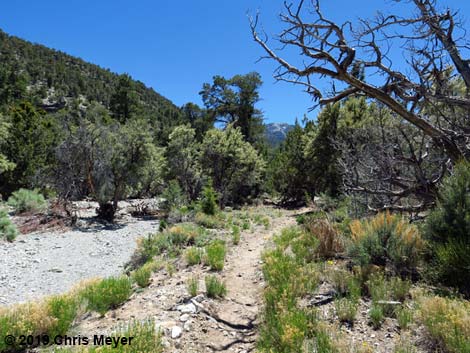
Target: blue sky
176, 46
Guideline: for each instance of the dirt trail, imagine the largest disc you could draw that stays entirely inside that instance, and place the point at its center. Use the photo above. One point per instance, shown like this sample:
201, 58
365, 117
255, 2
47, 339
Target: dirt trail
200, 324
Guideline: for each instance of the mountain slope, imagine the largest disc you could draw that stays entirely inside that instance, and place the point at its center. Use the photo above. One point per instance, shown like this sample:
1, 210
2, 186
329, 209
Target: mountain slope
51, 79
276, 132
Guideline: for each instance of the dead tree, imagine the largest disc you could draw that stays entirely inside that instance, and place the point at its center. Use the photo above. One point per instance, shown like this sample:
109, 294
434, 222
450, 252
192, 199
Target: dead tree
422, 96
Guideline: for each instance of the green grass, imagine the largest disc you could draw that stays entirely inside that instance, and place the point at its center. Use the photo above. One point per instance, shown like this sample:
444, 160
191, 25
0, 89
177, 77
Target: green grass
193, 286
215, 288
404, 317
346, 310
215, 255
63, 308
376, 316
107, 293
235, 235
141, 276
193, 255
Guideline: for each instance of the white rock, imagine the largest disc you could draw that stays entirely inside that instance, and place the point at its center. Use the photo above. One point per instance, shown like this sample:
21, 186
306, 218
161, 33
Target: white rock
176, 332
184, 317
187, 325
187, 309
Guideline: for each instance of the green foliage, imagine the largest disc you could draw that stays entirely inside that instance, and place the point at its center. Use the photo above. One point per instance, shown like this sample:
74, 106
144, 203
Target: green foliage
285, 325
111, 161
447, 322
144, 339
232, 101
209, 221
376, 316
215, 255
7, 228
63, 308
5, 164
25, 200
387, 240
448, 229
124, 103
107, 293
234, 166
183, 163
209, 200
288, 168
141, 276
404, 317
32, 137
346, 310
193, 286
235, 234
173, 196
322, 153
193, 255
215, 288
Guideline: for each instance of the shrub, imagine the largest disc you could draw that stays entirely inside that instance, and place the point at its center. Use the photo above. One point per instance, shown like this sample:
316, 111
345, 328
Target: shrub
346, 310
193, 286
214, 287
376, 316
404, 346
145, 339
448, 228
387, 239
25, 200
7, 228
173, 196
63, 308
208, 221
193, 256
399, 288
404, 317
330, 242
24, 319
447, 322
209, 200
344, 283
107, 293
215, 255
141, 276
235, 235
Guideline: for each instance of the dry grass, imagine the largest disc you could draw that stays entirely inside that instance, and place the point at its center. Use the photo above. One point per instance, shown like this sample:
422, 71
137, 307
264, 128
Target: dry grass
330, 241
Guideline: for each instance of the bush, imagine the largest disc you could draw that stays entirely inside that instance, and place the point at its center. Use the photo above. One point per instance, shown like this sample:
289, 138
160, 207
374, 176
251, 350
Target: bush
447, 322
208, 221
209, 200
448, 229
214, 287
25, 200
7, 228
193, 256
404, 317
63, 308
141, 276
215, 253
376, 316
193, 286
346, 310
235, 235
387, 240
145, 339
329, 241
107, 293
173, 196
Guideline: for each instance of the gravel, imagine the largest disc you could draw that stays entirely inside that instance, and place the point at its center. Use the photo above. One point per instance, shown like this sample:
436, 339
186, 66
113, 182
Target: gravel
40, 264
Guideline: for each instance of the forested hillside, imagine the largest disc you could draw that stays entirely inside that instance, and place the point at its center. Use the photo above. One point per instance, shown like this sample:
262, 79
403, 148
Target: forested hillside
51, 78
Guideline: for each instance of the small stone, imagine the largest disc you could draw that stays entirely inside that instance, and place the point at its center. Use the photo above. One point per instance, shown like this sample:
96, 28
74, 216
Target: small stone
187, 309
187, 325
176, 332
184, 317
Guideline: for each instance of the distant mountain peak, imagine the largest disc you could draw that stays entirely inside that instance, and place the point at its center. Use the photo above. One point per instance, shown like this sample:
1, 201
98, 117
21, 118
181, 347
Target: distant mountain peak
277, 132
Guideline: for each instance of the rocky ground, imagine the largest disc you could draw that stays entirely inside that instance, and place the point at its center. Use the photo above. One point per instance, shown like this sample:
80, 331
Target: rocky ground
44, 263
201, 324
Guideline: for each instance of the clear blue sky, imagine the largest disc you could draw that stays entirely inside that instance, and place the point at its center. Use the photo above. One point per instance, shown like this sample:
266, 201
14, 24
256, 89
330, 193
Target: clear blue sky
176, 46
